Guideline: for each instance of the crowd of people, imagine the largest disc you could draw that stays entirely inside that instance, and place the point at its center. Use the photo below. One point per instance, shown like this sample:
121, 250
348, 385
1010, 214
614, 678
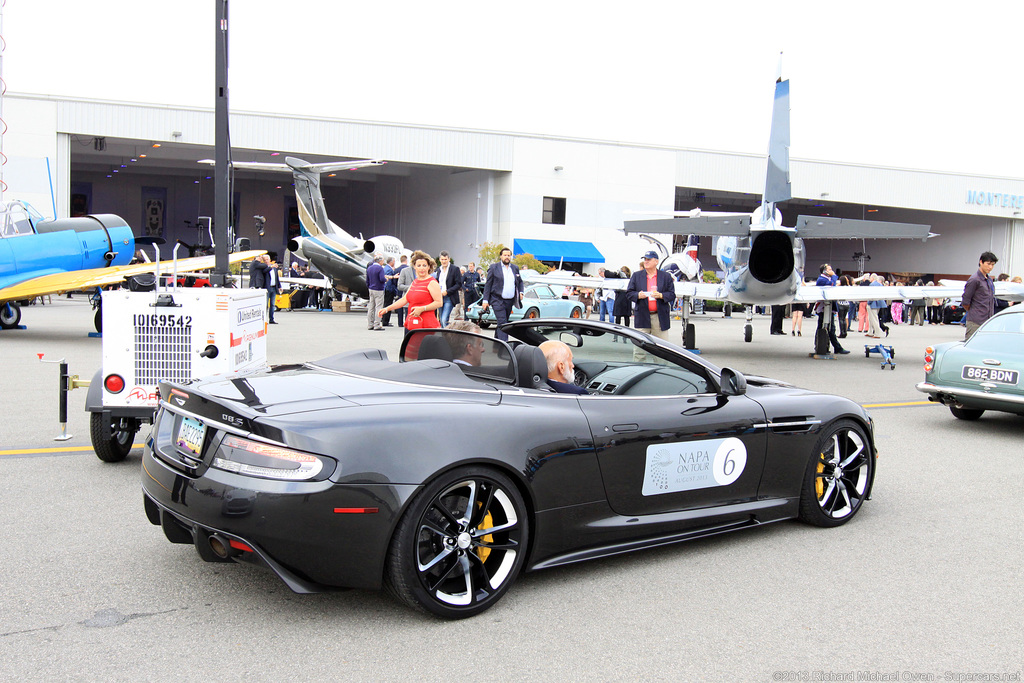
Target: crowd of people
424, 293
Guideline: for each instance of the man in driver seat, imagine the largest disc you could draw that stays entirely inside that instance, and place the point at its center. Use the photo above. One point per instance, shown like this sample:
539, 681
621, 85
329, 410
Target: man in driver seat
560, 367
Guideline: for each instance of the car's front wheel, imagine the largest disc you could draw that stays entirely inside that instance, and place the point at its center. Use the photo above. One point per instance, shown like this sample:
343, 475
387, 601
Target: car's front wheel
460, 545
962, 413
838, 475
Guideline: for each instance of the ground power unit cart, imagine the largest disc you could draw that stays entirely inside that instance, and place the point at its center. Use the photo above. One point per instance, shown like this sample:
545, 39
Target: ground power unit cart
174, 335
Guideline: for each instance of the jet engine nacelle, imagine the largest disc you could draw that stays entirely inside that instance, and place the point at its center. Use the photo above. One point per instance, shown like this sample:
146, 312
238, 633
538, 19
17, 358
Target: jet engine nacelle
765, 268
386, 245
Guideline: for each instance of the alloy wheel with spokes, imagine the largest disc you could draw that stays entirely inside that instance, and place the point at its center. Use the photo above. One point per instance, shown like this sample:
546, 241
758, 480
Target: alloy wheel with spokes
838, 477
460, 545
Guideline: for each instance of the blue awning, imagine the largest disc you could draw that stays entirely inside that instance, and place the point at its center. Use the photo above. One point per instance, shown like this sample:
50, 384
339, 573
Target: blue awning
554, 250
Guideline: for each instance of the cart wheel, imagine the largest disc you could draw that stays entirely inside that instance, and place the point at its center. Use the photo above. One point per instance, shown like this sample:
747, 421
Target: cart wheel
867, 353
122, 437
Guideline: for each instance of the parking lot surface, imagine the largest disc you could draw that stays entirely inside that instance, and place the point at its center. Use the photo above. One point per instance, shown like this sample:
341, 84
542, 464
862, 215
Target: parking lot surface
925, 584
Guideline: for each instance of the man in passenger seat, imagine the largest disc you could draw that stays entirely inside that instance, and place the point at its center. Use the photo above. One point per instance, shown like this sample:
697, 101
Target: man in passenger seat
560, 367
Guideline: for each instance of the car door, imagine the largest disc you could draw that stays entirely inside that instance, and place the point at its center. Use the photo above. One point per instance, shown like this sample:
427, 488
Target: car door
662, 454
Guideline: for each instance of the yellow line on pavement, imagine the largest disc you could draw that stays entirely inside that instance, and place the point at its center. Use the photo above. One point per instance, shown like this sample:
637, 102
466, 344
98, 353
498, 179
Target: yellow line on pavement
66, 449
900, 405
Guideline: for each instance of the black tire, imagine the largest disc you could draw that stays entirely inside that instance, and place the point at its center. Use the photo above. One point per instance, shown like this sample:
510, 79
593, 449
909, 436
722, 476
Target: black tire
838, 476
576, 313
122, 437
969, 414
748, 332
440, 563
531, 313
97, 320
10, 315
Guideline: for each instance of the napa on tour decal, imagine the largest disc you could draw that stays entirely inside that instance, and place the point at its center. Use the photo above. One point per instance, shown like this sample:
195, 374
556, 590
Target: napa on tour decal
690, 465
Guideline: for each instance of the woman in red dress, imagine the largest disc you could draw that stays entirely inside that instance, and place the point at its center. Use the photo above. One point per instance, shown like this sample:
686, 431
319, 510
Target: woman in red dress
423, 297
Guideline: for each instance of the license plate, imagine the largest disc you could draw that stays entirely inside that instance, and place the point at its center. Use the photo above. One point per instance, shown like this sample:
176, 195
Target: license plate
190, 435
983, 374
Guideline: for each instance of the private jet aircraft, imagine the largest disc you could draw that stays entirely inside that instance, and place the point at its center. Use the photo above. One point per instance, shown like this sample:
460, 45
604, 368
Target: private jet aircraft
341, 257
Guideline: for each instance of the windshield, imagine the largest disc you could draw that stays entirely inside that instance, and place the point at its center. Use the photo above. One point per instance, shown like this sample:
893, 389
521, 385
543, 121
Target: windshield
611, 363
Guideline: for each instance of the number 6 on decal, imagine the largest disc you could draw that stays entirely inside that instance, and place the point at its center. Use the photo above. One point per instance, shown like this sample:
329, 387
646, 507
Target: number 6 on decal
730, 459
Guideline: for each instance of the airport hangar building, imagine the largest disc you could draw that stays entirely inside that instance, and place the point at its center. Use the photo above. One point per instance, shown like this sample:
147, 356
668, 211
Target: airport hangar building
455, 189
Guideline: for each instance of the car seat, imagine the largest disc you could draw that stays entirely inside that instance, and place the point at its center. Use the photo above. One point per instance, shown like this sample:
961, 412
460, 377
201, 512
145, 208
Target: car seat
434, 346
533, 368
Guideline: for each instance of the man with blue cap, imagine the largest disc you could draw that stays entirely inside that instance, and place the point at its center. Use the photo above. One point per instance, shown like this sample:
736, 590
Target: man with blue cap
652, 293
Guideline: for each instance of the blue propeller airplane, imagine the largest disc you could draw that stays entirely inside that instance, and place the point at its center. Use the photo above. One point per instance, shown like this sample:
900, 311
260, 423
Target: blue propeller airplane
39, 256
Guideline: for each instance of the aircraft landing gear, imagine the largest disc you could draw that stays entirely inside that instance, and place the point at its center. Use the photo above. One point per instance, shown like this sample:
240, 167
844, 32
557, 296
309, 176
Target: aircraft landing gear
10, 315
748, 329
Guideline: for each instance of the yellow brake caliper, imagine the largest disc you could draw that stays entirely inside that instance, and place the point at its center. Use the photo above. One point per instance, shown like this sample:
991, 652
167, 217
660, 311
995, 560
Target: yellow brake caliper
819, 484
487, 523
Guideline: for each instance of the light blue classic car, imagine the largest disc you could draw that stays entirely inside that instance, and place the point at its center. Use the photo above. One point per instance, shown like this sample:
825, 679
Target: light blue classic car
539, 301
983, 373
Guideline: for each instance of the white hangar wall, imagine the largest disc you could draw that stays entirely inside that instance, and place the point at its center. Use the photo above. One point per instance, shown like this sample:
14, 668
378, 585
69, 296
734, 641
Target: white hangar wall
460, 188
601, 183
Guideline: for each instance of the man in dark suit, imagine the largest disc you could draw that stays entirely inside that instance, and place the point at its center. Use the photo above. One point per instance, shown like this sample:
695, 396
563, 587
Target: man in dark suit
449, 276
503, 290
263, 275
469, 280
652, 292
561, 377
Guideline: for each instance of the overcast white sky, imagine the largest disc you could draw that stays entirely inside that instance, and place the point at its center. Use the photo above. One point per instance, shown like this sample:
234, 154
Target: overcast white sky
907, 84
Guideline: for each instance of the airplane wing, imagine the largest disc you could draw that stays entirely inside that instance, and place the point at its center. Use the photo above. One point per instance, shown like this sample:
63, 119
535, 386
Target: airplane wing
76, 280
564, 280
307, 281
828, 227
813, 293
725, 225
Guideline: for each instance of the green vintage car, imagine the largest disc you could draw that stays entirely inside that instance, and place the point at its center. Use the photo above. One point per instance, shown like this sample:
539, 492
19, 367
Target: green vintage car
983, 373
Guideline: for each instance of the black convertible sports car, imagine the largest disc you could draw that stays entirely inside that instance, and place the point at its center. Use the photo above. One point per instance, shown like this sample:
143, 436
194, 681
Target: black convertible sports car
444, 475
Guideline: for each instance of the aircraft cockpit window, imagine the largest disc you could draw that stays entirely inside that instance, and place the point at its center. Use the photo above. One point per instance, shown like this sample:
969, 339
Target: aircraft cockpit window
15, 222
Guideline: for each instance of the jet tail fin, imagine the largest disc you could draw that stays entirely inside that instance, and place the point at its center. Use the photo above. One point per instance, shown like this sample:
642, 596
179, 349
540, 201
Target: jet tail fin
777, 186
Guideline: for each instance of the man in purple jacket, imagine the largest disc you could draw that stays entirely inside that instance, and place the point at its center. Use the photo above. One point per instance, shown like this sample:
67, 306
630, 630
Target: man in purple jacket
375, 283
980, 294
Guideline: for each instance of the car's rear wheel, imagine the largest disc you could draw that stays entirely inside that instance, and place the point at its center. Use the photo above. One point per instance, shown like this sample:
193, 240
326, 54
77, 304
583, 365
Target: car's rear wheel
460, 545
576, 313
838, 475
965, 413
532, 313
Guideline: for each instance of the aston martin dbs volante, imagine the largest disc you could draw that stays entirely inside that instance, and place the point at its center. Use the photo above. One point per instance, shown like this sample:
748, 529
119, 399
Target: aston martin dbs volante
442, 476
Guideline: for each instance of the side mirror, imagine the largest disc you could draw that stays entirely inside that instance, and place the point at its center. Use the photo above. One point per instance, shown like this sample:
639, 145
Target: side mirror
733, 383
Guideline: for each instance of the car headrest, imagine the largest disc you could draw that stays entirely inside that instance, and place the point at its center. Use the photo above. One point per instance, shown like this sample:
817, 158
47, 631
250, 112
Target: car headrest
434, 346
533, 367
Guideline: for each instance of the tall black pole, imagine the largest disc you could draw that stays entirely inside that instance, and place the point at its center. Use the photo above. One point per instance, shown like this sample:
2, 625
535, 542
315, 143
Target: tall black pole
222, 172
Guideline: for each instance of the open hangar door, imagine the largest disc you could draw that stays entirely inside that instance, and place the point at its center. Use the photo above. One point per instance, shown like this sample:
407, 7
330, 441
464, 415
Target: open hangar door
164, 191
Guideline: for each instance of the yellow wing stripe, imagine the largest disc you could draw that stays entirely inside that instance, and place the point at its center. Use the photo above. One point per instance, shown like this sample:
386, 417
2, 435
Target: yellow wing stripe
97, 277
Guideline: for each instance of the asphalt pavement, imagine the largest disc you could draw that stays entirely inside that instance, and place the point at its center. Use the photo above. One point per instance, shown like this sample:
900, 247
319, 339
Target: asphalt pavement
924, 584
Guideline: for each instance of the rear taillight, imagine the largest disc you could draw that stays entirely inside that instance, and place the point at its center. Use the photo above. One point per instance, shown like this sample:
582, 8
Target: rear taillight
114, 384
